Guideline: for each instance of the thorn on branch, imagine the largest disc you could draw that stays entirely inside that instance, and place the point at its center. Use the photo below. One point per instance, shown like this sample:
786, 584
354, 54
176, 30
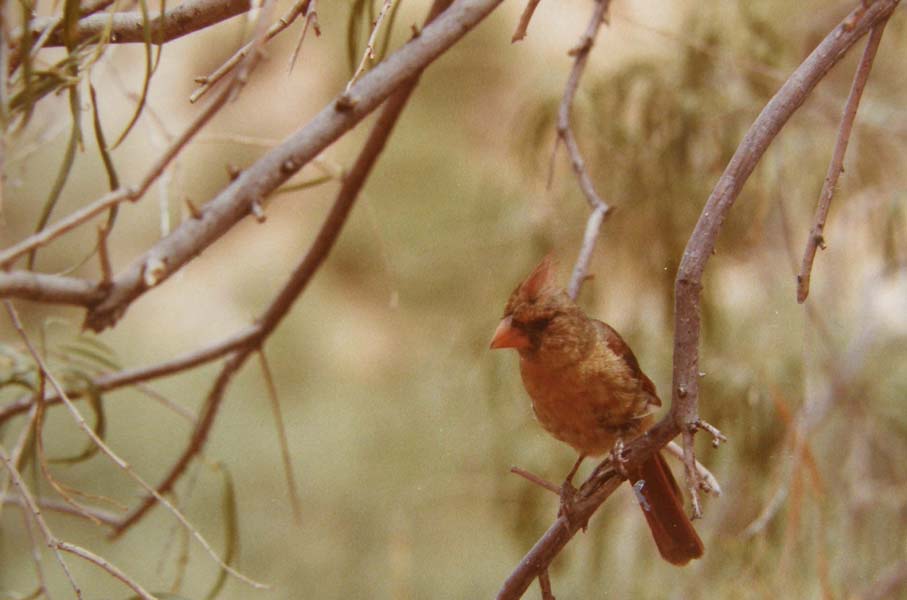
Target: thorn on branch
233, 172
258, 211
345, 102
154, 272
194, 212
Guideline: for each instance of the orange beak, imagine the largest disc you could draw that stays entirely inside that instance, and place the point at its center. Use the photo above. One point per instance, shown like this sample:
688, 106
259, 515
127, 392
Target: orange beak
508, 336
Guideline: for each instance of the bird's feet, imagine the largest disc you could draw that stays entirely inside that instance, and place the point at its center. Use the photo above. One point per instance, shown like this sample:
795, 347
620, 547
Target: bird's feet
567, 508
617, 458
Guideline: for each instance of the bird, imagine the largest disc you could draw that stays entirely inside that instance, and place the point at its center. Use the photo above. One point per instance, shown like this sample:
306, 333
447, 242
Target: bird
588, 390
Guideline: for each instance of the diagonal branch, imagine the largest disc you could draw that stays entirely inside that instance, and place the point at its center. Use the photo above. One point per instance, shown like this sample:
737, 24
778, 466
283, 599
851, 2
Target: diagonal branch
299, 280
278, 165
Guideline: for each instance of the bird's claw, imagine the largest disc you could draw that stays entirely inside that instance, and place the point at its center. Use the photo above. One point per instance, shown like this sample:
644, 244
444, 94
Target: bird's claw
568, 505
617, 458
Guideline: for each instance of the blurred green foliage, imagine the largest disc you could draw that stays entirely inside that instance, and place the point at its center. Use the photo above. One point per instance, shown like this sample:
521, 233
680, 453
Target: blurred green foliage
401, 424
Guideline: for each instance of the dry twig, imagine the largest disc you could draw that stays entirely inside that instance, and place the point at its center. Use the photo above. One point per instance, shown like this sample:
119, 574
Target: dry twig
600, 208
369, 53
525, 18
836, 166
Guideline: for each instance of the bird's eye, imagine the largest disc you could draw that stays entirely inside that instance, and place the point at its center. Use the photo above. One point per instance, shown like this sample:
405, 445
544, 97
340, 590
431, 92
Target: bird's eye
539, 324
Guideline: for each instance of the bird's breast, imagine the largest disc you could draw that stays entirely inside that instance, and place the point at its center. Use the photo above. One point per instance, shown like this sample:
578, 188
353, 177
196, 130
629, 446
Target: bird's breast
587, 406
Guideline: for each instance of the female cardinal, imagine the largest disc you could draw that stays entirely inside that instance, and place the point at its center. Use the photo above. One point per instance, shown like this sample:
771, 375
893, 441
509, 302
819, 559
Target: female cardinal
587, 390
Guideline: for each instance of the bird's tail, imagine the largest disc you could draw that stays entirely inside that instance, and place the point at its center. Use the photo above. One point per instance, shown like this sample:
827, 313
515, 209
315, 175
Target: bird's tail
662, 504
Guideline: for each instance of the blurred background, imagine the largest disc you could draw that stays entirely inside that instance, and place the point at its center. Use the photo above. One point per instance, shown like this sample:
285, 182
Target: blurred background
402, 425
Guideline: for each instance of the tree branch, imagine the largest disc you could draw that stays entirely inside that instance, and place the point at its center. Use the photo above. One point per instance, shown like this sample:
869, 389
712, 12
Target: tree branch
299, 279
688, 284
129, 27
278, 165
836, 166
600, 208
51, 289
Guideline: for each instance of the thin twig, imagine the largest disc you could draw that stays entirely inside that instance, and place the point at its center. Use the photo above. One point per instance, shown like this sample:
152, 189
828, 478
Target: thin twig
544, 483
295, 502
112, 381
603, 480
298, 281
836, 166
107, 566
600, 208
97, 514
311, 19
709, 483
545, 585
107, 451
32, 507
525, 18
369, 53
207, 82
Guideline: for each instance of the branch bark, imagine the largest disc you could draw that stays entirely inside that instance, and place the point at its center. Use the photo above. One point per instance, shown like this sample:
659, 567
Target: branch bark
836, 166
128, 27
278, 165
51, 289
299, 279
688, 284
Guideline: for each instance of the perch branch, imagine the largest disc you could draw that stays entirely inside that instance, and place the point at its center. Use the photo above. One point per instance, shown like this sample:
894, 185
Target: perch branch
684, 416
836, 166
688, 284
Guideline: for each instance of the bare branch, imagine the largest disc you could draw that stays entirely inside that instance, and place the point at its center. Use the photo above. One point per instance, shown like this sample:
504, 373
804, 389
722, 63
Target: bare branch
207, 82
278, 165
35, 512
107, 566
836, 166
600, 208
96, 514
51, 289
128, 27
688, 284
112, 381
525, 18
369, 53
299, 279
